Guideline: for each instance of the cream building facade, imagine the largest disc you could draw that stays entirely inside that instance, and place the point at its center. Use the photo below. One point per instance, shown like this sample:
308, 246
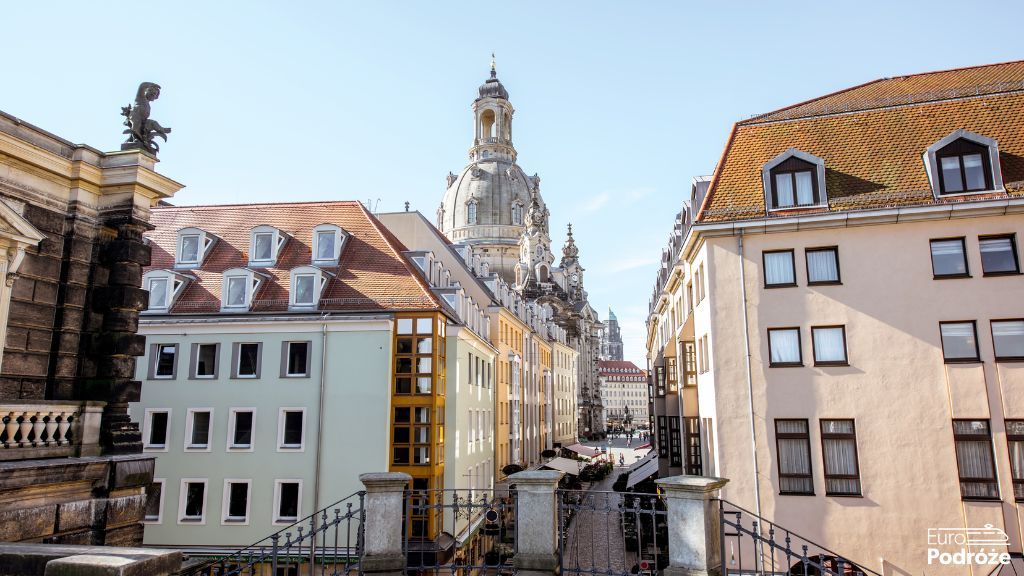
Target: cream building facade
841, 319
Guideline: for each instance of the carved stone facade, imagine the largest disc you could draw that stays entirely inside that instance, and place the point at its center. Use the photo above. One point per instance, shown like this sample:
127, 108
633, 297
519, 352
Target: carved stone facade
71, 223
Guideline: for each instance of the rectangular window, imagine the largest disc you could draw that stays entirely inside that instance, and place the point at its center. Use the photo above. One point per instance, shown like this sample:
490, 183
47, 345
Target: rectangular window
1008, 339
236, 291
325, 245
778, 269
240, 429
197, 429
291, 429
155, 501
675, 443
959, 341
247, 360
303, 290
839, 457
192, 503
236, 501
829, 343
662, 438
784, 347
822, 265
949, 258
263, 248
296, 359
974, 459
287, 495
165, 365
784, 190
204, 358
671, 375
189, 248
157, 423
998, 255
951, 175
793, 444
157, 293
1015, 440
659, 380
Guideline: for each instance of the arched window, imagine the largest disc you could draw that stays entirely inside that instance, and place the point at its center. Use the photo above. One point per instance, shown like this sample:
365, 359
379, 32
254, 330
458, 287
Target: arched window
517, 212
487, 124
471, 212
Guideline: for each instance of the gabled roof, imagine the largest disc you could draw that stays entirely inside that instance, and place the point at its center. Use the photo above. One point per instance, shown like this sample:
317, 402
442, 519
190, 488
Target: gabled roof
872, 138
372, 273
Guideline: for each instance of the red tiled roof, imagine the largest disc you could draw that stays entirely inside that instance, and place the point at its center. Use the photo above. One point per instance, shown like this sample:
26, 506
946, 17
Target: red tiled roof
617, 368
872, 138
372, 273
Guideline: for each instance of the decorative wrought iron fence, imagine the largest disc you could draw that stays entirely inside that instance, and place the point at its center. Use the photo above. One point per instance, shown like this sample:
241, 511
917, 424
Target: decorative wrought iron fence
611, 533
463, 532
327, 542
753, 546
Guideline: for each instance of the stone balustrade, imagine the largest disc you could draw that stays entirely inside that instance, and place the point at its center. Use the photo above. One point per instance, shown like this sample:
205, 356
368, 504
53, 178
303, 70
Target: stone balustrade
48, 429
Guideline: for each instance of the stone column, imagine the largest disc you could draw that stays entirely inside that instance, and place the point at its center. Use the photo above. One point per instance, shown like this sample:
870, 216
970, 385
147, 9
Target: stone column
536, 522
384, 507
694, 524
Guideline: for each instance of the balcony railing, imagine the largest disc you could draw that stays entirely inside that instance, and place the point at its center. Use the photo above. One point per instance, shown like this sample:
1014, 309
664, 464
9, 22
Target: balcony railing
49, 429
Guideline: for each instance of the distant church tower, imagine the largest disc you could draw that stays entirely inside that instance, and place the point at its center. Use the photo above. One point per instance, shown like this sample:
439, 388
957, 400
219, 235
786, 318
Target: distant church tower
611, 343
485, 204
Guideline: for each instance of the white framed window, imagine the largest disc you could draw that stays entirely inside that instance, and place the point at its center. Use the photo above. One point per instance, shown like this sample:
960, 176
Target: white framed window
164, 287
235, 503
194, 244
794, 179
241, 429
287, 501
205, 360
154, 512
163, 361
156, 429
265, 244
291, 430
295, 359
238, 287
307, 284
327, 243
246, 359
192, 501
198, 426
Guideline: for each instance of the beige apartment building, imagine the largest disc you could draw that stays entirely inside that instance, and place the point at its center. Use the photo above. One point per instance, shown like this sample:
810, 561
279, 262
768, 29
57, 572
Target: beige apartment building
623, 395
842, 321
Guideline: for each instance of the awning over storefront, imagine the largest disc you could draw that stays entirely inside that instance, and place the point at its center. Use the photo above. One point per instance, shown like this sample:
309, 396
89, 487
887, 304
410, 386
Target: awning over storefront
643, 469
563, 465
584, 450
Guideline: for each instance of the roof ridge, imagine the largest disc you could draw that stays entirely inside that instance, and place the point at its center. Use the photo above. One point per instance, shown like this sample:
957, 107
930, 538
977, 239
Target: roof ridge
250, 204
391, 240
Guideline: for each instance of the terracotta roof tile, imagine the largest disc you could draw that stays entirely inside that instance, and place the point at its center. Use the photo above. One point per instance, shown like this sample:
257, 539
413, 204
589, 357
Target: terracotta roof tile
873, 157
372, 273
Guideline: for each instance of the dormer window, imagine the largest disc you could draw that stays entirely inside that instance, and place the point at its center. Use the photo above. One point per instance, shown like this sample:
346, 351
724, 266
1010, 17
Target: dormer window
164, 287
193, 246
471, 212
794, 179
307, 285
265, 245
327, 242
238, 288
963, 163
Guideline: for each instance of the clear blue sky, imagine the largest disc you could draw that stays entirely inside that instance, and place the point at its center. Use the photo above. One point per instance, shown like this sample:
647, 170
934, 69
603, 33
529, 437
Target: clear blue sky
618, 104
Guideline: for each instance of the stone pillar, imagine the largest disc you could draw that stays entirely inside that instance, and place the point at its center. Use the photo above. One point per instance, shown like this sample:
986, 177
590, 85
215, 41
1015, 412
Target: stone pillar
384, 512
536, 522
694, 525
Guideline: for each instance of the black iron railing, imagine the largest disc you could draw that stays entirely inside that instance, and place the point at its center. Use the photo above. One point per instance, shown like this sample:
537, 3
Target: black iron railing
611, 533
327, 542
464, 532
753, 546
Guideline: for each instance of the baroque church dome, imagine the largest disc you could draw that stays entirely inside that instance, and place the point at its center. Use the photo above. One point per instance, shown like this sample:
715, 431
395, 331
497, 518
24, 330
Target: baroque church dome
486, 203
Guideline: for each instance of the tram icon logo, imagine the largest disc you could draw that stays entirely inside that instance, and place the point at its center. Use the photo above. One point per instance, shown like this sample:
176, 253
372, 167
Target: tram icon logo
966, 546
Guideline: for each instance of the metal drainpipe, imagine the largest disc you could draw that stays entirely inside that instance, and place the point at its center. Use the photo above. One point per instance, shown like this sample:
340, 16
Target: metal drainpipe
320, 416
750, 383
